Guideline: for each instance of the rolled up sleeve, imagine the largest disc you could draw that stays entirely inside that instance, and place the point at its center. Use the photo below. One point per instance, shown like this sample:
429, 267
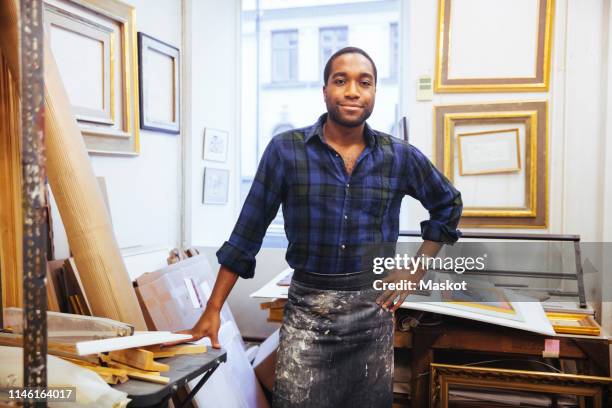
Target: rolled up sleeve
258, 211
436, 193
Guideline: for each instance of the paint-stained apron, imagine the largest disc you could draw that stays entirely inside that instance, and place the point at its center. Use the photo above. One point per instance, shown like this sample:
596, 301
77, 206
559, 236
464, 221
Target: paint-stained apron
336, 344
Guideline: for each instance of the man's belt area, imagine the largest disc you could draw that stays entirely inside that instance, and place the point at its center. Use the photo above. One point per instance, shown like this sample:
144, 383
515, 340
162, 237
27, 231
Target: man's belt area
336, 281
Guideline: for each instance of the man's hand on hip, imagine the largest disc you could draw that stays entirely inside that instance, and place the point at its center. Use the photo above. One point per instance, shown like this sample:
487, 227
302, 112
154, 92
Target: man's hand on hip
392, 299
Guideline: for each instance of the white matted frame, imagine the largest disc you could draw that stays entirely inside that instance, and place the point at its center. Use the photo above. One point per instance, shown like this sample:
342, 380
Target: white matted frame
489, 152
216, 186
516, 199
94, 43
215, 145
158, 69
510, 39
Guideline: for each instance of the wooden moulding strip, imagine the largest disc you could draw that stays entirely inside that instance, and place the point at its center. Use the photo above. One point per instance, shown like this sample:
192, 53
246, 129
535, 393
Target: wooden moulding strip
130, 369
81, 206
57, 349
11, 231
177, 350
141, 359
150, 376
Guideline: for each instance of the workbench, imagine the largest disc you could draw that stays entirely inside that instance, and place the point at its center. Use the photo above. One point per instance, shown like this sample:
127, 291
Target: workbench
183, 368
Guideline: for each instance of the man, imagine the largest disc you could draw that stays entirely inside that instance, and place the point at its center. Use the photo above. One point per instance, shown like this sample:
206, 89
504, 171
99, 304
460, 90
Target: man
341, 185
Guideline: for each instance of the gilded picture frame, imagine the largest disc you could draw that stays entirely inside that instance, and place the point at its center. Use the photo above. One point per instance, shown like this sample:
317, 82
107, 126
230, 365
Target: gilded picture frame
112, 128
533, 117
513, 167
526, 79
574, 323
586, 389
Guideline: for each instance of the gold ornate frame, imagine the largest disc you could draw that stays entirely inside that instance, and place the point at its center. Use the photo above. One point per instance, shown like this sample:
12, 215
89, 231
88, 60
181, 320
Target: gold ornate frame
489, 132
573, 323
539, 82
533, 115
444, 375
126, 139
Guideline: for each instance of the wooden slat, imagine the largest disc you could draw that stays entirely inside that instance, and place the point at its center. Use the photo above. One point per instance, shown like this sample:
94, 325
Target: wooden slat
274, 304
179, 349
138, 358
129, 369
11, 264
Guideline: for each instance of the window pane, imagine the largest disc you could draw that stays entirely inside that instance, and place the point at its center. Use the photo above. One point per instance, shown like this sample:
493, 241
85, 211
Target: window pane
285, 45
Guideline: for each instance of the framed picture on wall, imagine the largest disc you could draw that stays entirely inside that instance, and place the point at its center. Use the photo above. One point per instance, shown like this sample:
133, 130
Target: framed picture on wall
94, 45
158, 70
216, 186
511, 40
497, 156
489, 152
215, 145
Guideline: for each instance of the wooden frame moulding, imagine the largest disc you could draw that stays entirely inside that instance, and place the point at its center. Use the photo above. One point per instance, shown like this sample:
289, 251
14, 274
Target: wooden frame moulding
534, 116
125, 139
146, 45
462, 136
11, 264
539, 82
442, 376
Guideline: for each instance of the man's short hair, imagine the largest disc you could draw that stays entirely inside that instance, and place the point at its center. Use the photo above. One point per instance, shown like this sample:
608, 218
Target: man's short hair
346, 50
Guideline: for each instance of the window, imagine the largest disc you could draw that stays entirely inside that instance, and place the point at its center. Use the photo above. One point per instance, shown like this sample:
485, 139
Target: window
393, 50
285, 56
280, 36
331, 39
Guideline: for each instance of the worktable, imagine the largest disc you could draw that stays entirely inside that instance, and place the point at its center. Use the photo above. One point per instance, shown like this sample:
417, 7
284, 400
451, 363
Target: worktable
183, 368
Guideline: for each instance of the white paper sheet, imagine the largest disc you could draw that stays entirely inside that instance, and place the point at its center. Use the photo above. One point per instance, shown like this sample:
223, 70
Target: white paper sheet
139, 339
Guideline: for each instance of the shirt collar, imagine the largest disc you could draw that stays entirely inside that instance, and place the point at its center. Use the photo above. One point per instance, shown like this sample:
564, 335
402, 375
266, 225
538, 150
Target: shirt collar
371, 137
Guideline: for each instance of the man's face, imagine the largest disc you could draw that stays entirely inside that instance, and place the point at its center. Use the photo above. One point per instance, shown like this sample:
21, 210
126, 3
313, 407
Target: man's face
350, 90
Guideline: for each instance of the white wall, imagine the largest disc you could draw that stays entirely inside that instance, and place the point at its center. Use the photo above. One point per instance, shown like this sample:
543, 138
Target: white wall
145, 191
212, 29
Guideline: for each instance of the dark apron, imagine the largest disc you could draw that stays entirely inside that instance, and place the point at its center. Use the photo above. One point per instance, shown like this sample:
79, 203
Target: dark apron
336, 344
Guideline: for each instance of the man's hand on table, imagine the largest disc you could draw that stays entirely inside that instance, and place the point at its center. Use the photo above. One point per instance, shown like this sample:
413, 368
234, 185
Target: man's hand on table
207, 326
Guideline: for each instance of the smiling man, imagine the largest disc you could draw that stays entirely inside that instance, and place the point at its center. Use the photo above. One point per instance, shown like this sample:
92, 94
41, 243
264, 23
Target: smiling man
341, 184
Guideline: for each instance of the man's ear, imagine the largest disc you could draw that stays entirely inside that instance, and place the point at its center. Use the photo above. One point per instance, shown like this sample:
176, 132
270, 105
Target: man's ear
324, 93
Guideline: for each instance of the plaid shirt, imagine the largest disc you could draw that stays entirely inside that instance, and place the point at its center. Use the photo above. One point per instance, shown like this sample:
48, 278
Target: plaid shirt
332, 218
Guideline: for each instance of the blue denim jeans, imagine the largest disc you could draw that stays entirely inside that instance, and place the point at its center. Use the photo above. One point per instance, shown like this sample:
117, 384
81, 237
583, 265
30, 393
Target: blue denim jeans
336, 345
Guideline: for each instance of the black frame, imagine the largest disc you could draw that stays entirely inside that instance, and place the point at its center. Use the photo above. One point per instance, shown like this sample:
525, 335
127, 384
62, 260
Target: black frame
171, 128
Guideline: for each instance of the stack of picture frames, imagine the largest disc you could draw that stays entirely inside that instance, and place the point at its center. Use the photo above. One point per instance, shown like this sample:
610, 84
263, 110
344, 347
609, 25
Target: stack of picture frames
117, 82
495, 153
94, 44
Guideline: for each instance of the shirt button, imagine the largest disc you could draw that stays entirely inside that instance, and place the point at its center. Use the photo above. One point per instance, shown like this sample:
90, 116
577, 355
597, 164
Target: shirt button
343, 246
337, 155
348, 185
346, 217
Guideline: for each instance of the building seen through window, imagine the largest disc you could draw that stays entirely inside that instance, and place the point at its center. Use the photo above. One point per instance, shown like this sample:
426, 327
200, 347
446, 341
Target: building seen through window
285, 45
284, 55
331, 39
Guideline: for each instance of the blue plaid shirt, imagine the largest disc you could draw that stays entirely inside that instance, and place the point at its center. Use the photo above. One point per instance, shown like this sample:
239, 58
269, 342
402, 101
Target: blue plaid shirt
331, 218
